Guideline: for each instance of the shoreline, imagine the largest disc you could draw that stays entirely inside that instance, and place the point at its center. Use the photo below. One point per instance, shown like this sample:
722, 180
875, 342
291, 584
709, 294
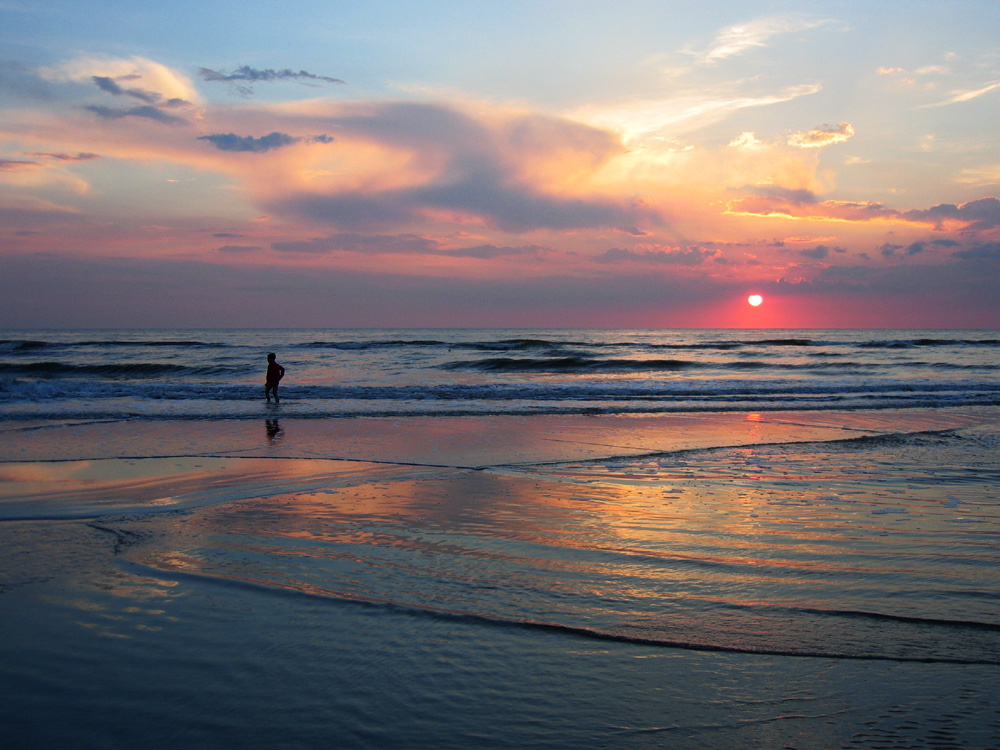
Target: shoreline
465, 441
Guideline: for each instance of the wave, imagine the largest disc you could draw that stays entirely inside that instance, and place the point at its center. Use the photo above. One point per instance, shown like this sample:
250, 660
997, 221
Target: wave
502, 345
580, 364
926, 342
570, 365
982, 653
110, 371
519, 343
366, 345
587, 390
18, 345
22, 345
180, 344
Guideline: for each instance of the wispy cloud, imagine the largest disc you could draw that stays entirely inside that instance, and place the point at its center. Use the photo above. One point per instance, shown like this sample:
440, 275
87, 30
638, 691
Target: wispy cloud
63, 157
17, 165
236, 249
488, 252
350, 242
958, 97
642, 119
41, 160
690, 256
977, 215
144, 112
110, 86
743, 37
243, 78
269, 142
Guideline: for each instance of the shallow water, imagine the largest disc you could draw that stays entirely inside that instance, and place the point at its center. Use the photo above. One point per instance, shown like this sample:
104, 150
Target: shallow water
218, 374
768, 582
225, 666
853, 548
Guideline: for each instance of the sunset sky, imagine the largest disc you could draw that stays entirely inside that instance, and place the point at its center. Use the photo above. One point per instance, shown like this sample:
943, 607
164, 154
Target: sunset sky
542, 163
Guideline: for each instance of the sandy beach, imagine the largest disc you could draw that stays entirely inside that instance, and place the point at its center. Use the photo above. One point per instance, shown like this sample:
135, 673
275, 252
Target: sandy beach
501, 581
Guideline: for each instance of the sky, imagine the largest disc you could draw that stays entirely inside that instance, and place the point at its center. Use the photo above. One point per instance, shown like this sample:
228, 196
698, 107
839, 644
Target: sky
504, 164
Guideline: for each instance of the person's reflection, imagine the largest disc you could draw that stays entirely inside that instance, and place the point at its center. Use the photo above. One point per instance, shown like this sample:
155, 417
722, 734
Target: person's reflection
274, 431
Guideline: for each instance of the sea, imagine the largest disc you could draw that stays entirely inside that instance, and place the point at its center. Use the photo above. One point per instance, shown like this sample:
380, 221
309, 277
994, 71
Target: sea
219, 374
458, 538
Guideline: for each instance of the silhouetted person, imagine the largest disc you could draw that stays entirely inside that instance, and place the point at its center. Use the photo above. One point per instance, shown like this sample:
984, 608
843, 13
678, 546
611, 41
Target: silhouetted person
275, 373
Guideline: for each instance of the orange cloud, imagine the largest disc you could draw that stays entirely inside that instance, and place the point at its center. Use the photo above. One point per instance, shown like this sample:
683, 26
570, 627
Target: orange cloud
821, 136
982, 214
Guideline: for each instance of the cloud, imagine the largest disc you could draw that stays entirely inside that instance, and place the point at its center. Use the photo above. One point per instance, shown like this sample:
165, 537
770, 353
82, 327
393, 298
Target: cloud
108, 85
978, 215
63, 157
361, 243
646, 119
958, 97
487, 252
415, 161
28, 210
823, 135
986, 176
145, 112
797, 197
17, 81
915, 248
163, 89
743, 37
18, 165
778, 205
243, 77
159, 82
238, 248
269, 142
819, 252
481, 197
691, 256
989, 251
402, 244
41, 160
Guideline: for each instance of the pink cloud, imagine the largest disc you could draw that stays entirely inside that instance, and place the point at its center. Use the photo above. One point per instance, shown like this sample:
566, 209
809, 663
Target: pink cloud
978, 215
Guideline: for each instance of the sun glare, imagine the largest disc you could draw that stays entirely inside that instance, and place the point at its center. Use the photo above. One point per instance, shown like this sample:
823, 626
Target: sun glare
755, 299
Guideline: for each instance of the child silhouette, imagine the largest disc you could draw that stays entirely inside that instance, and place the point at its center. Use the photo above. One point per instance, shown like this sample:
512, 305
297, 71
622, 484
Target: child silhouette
275, 373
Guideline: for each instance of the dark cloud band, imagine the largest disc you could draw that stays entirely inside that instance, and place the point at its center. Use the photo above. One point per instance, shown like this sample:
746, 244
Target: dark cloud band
244, 77
269, 142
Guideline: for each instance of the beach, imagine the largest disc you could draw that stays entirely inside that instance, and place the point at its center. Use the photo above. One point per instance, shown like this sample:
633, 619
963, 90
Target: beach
799, 579
499, 376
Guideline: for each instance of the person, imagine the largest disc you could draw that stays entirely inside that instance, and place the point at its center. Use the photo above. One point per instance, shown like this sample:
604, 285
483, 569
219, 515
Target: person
275, 372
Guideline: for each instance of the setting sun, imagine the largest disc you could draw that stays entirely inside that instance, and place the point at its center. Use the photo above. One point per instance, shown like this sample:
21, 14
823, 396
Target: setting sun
755, 299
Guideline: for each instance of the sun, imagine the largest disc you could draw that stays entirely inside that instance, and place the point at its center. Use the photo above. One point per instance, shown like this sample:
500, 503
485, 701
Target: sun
755, 299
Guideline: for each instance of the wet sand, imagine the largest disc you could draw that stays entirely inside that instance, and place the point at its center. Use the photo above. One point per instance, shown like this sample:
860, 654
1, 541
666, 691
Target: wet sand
120, 626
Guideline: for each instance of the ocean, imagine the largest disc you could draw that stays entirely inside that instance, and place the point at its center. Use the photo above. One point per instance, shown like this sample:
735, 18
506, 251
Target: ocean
219, 374
503, 538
